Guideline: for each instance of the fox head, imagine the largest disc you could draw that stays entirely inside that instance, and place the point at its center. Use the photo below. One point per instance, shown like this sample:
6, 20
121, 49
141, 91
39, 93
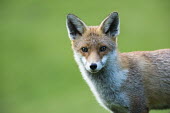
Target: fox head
93, 46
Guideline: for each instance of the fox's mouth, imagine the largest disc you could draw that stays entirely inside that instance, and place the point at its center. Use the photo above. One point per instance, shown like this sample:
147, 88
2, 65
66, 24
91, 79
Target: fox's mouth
94, 71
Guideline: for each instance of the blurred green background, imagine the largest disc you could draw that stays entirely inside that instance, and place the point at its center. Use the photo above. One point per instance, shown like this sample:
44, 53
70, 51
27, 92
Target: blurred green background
38, 72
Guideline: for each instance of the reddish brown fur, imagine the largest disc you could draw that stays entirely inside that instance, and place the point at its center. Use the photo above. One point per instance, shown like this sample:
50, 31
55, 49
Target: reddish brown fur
154, 67
93, 39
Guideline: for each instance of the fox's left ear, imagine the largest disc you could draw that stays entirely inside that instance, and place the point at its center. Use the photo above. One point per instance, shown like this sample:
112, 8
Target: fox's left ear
75, 26
110, 25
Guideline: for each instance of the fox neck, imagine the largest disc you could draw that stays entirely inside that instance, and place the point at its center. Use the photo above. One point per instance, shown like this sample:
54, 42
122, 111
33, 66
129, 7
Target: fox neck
109, 79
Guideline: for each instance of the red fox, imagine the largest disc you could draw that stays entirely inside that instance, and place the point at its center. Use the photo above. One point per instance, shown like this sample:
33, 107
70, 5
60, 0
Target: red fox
133, 82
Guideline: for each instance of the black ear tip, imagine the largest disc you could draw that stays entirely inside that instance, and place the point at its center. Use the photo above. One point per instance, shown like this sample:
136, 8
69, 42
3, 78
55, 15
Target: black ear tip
114, 14
69, 16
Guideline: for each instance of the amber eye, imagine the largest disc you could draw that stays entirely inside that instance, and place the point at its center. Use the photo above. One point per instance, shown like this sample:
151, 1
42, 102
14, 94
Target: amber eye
103, 48
84, 49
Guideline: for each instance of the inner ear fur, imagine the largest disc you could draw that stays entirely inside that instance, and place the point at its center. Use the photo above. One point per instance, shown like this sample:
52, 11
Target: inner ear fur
75, 26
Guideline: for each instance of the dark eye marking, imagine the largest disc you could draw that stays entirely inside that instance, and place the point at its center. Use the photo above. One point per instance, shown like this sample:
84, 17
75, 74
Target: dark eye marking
84, 49
103, 48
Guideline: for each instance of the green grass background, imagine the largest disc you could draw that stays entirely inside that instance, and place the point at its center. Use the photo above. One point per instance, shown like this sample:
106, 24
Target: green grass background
38, 73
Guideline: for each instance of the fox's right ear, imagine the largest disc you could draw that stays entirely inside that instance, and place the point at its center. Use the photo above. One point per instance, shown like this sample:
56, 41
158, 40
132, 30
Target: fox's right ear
75, 26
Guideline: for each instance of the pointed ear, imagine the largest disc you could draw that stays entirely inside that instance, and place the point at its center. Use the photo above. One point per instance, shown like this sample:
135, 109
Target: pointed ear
75, 26
110, 25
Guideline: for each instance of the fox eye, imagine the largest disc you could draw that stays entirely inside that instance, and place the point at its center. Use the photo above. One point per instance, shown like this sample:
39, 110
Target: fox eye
103, 48
84, 49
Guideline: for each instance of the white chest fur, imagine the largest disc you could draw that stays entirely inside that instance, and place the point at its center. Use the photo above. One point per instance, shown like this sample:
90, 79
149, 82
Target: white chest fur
106, 87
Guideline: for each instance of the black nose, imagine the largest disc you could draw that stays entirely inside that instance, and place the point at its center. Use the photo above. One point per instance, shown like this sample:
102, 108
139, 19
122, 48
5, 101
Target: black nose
93, 66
